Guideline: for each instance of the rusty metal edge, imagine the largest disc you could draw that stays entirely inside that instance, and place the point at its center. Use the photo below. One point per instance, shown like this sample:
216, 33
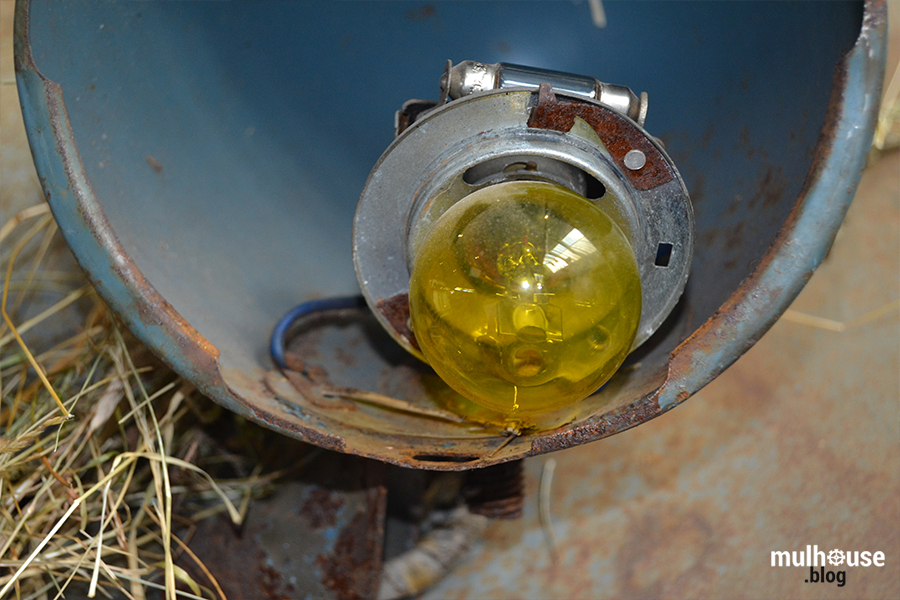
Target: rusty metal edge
799, 247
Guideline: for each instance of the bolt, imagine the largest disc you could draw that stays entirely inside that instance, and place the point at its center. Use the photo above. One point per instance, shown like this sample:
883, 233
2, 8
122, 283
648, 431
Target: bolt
635, 160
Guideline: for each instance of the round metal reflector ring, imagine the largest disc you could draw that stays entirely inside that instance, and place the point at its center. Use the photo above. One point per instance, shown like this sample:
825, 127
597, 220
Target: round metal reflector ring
649, 202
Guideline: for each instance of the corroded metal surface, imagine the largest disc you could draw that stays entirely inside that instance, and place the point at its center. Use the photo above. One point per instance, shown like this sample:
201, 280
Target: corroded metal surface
205, 300
396, 311
320, 536
618, 134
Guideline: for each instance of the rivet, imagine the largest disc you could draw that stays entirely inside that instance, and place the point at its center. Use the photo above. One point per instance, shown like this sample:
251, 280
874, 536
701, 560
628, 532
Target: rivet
635, 160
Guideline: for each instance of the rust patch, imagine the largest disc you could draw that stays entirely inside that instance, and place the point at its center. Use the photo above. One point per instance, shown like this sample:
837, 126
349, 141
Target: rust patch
306, 388
598, 427
421, 14
744, 141
770, 187
318, 375
874, 15
270, 581
352, 571
283, 552
410, 112
698, 190
396, 311
321, 508
617, 132
306, 434
345, 357
734, 239
294, 362
227, 551
154, 164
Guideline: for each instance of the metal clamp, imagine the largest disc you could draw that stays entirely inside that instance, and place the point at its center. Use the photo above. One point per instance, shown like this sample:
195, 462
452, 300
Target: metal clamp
469, 77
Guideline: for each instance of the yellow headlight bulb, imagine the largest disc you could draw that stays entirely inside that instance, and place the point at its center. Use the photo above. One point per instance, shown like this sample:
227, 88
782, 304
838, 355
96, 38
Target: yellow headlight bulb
525, 298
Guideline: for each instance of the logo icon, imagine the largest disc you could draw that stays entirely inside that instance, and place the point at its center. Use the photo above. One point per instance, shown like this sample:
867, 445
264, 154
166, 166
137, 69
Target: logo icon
836, 557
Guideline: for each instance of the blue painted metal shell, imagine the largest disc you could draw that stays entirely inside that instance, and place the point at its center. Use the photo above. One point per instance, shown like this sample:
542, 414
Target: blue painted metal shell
203, 161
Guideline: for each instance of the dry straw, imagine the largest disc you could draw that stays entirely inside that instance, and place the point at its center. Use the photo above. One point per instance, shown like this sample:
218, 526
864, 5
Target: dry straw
99, 475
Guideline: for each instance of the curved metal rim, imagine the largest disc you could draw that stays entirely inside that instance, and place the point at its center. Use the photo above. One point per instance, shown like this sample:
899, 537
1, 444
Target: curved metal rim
737, 325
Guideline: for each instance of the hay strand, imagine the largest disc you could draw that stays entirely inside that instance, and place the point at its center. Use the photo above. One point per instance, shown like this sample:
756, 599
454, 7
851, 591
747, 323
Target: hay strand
101, 460
15, 333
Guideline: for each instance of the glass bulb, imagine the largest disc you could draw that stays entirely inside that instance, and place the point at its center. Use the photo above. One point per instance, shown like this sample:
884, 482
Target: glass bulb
525, 298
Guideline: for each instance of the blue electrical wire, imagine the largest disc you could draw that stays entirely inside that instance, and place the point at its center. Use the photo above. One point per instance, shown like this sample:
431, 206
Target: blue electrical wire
276, 347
